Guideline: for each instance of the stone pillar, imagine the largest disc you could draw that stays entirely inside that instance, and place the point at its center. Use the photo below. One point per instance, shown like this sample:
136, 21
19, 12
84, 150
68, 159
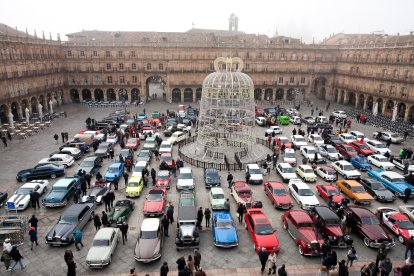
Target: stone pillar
263, 95
80, 96
194, 95
365, 105
116, 95
346, 97
356, 100
285, 95
93, 95
105, 96
339, 96
407, 112
182, 95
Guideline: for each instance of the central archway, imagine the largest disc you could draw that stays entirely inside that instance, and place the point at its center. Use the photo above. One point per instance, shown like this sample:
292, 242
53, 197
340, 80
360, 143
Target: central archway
258, 94
318, 87
99, 95
176, 95
279, 94
155, 88
135, 95
74, 95
188, 95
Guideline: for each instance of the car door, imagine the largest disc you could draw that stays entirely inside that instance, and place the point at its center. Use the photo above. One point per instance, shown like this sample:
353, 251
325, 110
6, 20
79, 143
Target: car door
268, 191
324, 192
390, 221
295, 192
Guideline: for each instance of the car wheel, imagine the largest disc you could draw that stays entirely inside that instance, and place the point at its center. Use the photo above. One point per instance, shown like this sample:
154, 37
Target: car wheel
401, 239
23, 179
284, 225
366, 242
53, 176
300, 250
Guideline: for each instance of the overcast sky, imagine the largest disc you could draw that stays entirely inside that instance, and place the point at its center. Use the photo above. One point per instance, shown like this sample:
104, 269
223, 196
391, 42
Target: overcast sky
297, 18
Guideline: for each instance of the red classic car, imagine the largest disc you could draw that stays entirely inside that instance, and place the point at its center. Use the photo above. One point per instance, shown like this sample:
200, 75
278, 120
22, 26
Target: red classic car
154, 204
241, 192
325, 190
167, 157
278, 195
346, 151
361, 148
300, 226
163, 179
132, 143
259, 111
327, 224
156, 122
283, 141
261, 231
397, 222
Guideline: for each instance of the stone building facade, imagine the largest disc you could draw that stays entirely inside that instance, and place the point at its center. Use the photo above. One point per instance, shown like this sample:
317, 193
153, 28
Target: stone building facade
93, 65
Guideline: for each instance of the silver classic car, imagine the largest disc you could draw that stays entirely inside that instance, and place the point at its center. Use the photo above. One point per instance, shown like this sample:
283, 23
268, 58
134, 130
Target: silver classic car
150, 241
103, 247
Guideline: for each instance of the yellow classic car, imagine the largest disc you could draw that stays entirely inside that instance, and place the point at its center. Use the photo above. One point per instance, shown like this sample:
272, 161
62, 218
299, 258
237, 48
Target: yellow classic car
355, 191
134, 186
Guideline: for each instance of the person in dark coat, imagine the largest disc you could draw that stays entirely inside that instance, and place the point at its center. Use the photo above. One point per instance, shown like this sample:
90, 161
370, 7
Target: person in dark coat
98, 176
165, 224
263, 256
33, 237
207, 216
107, 202
115, 181
104, 219
200, 216
16, 257
342, 269
83, 185
111, 196
88, 178
71, 267
56, 137
36, 199
68, 255
164, 269
126, 176
170, 213
33, 222
407, 194
282, 271
124, 230
197, 259
247, 177
9, 135
97, 222
180, 263
77, 195
230, 179
241, 209
153, 176
388, 143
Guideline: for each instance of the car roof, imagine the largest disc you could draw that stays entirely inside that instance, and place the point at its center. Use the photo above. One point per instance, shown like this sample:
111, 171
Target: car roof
141, 164
297, 136
59, 155
327, 168
305, 166
104, 233
222, 215
328, 186
398, 215
135, 178
285, 165
150, 224
300, 185
240, 184
29, 185
258, 216
275, 184
391, 174
64, 182
352, 183
342, 162
75, 209
163, 173
326, 213
361, 211
70, 149
91, 158
216, 190
300, 216
165, 143
289, 150
253, 166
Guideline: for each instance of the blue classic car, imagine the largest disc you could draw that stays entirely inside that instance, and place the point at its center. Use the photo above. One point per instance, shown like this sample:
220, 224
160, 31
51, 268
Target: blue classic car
41, 171
61, 191
393, 181
115, 168
360, 162
224, 230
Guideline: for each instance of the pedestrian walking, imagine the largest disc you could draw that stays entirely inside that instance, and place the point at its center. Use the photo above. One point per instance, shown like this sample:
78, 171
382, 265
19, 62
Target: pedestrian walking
381, 255
98, 176
78, 239
36, 199
164, 269
165, 224
77, 194
409, 247
6, 258
125, 176
56, 137
190, 263
153, 176
180, 263
33, 237
263, 256
170, 213
124, 230
272, 263
351, 256
104, 219
111, 153
115, 182
157, 155
16, 257
97, 222
111, 196
62, 134
33, 221
388, 143
386, 267
200, 216
173, 168
207, 216
88, 178
227, 205
342, 269
407, 194
230, 179
197, 259
83, 185
71, 267
3, 139
241, 209
68, 255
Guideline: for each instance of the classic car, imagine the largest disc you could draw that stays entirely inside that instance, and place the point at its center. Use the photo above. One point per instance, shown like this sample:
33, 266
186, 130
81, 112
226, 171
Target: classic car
398, 223
3, 197
74, 152
260, 121
141, 117
121, 212
282, 140
326, 173
378, 147
112, 138
315, 139
132, 143
361, 148
346, 151
59, 160
103, 247
328, 151
393, 181
292, 112
150, 144
21, 197
355, 191
327, 223
139, 167
358, 135
185, 179
400, 163
217, 198
41, 171
134, 186
261, 231
91, 164
98, 190
306, 173
273, 129
259, 111
365, 223
346, 138
298, 141
61, 191
165, 147
256, 176
327, 190
147, 132
339, 114
286, 171
103, 149
386, 135
302, 194
154, 203
75, 217
224, 230
187, 233
144, 155
377, 190
309, 153
163, 179
155, 115
167, 158
114, 169
332, 139
407, 210
127, 152
346, 169
381, 162
278, 195
360, 162
211, 177
150, 241
156, 122
176, 137
309, 120
76, 144
289, 157
296, 120
300, 226
241, 193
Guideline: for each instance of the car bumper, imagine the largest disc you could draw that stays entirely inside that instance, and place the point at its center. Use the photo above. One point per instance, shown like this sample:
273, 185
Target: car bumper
256, 181
148, 260
54, 204
97, 264
153, 214
226, 244
57, 242
181, 188
378, 244
388, 168
209, 185
309, 207
19, 208
353, 176
284, 206
132, 194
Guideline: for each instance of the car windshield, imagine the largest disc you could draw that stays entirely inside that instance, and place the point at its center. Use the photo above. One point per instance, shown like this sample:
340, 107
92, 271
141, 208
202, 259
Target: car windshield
104, 146
305, 192
333, 192
132, 141
305, 224
369, 220
330, 172
290, 155
166, 158
350, 149
187, 202
185, 176
133, 184
331, 222
358, 189
155, 197
379, 146
224, 224
348, 168
299, 139
363, 146
87, 164
279, 191
284, 140
331, 149
255, 171
362, 160
382, 159
100, 243
397, 179
24, 191
378, 186
163, 176
144, 153
165, 146
59, 188
288, 170
68, 219
218, 196
405, 224
113, 169
394, 135
311, 151
264, 229
308, 171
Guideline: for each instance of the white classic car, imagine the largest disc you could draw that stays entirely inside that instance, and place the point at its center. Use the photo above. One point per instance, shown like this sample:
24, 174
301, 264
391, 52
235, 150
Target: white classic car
381, 162
386, 135
298, 141
21, 197
290, 157
309, 153
315, 139
346, 169
103, 247
358, 135
339, 114
217, 198
326, 173
286, 171
346, 138
328, 151
165, 147
59, 159
185, 179
112, 139
273, 129
306, 173
256, 176
302, 194
378, 147
260, 121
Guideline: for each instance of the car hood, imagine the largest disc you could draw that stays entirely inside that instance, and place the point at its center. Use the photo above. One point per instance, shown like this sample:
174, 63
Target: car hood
19, 199
187, 230
185, 182
374, 232
97, 191
86, 169
218, 202
282, 199
110, 175
61, 230
98, 253
333, 154
353, 172
311, 200
143, 158
225, 234
289, 160
54, 196
363, 196
153, 205
308, 234
163, 182
334, 231
212, 180
117, 213
384, 193
147, 248
267, 241
337, 198
24, 172
301, 144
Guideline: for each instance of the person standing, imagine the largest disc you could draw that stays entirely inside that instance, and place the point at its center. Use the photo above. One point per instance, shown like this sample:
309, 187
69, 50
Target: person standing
78, 239
388, 143
97, 222
56, 137
247, 177
71, 267
165, 224
98, 176
124, 230
173, 168
240, 212
16, 257
407, 194
33, 237
200, 216
116, 181
272, 263
230, 179
62, 134
282, 271
157, 155
83, 185
227, 205
170, 212
164, 269
104, 219
125, 176
111, 196
6, 259
351, 256
180, 263
197, 259
33, 222
111, 153
342, 269
207, 216
107, 202
3, 139
153, 176
386, 267
88, 178
77, 194
263, 256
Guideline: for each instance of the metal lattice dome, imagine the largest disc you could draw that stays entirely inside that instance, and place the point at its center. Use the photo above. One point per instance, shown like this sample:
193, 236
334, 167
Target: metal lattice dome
227, 105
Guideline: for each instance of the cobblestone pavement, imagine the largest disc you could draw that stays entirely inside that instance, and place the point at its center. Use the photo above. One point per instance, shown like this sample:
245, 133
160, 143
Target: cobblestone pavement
46, 260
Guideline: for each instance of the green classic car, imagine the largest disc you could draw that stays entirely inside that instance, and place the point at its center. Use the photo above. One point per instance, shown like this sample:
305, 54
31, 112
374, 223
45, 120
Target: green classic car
123, 208
156, 114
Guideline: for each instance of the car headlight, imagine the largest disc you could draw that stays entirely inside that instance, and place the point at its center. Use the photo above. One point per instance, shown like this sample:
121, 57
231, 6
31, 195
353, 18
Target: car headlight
309, 246
64, 239
331, 238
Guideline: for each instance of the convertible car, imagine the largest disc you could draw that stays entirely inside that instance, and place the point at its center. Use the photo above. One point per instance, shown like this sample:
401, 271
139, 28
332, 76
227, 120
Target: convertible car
21, 197
360, 162
224, 230
154, 204
97, 192
241, 192
400, 163
121, 212
392, 180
